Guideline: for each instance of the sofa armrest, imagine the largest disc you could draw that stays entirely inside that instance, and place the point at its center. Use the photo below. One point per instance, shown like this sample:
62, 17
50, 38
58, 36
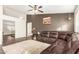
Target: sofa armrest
38, 37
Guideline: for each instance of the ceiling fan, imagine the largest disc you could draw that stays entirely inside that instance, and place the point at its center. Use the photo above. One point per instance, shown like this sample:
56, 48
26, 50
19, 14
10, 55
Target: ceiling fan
35, 8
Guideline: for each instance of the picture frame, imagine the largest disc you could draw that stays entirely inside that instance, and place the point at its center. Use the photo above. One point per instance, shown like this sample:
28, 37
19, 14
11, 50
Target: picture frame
47, 20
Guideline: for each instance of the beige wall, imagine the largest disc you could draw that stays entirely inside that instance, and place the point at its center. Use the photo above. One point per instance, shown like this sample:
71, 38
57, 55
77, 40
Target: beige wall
20, 26
1, 14
20, 21
76, 19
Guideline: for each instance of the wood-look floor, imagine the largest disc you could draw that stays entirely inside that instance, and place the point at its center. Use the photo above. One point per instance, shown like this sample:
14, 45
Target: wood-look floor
17, 40
1, 50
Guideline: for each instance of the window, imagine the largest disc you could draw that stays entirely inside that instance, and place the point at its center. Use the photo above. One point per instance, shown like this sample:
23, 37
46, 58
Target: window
29, 28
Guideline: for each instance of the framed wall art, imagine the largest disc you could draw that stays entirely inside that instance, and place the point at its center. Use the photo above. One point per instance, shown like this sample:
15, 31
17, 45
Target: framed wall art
47, 20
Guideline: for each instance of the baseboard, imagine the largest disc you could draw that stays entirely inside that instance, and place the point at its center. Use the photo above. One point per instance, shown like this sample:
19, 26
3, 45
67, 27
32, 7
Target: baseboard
29, 37
20, 39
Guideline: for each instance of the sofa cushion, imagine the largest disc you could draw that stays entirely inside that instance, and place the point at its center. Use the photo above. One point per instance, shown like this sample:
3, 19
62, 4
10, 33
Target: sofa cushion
68, 37
53, 35
44, 34
62, 35
57, 48
51, 40
60, 46
44, 39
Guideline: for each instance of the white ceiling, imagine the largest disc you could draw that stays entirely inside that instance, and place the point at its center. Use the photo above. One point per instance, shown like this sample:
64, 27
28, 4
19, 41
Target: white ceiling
48, 9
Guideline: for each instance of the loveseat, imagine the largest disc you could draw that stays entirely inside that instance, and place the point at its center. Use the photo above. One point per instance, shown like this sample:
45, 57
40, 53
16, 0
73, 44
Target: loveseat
62, 42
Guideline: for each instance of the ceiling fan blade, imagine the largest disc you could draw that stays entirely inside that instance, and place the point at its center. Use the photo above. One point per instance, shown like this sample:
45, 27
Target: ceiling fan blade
40, 11
30, 6
40, 7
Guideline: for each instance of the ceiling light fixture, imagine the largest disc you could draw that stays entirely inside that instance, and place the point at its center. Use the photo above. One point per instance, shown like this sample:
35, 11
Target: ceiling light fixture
69, 17
35, 9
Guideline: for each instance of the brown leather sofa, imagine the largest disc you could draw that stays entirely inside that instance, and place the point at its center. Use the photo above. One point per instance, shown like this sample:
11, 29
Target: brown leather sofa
61, 42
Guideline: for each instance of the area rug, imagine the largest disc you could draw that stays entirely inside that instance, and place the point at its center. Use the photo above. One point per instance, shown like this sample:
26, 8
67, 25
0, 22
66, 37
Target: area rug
25, 47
